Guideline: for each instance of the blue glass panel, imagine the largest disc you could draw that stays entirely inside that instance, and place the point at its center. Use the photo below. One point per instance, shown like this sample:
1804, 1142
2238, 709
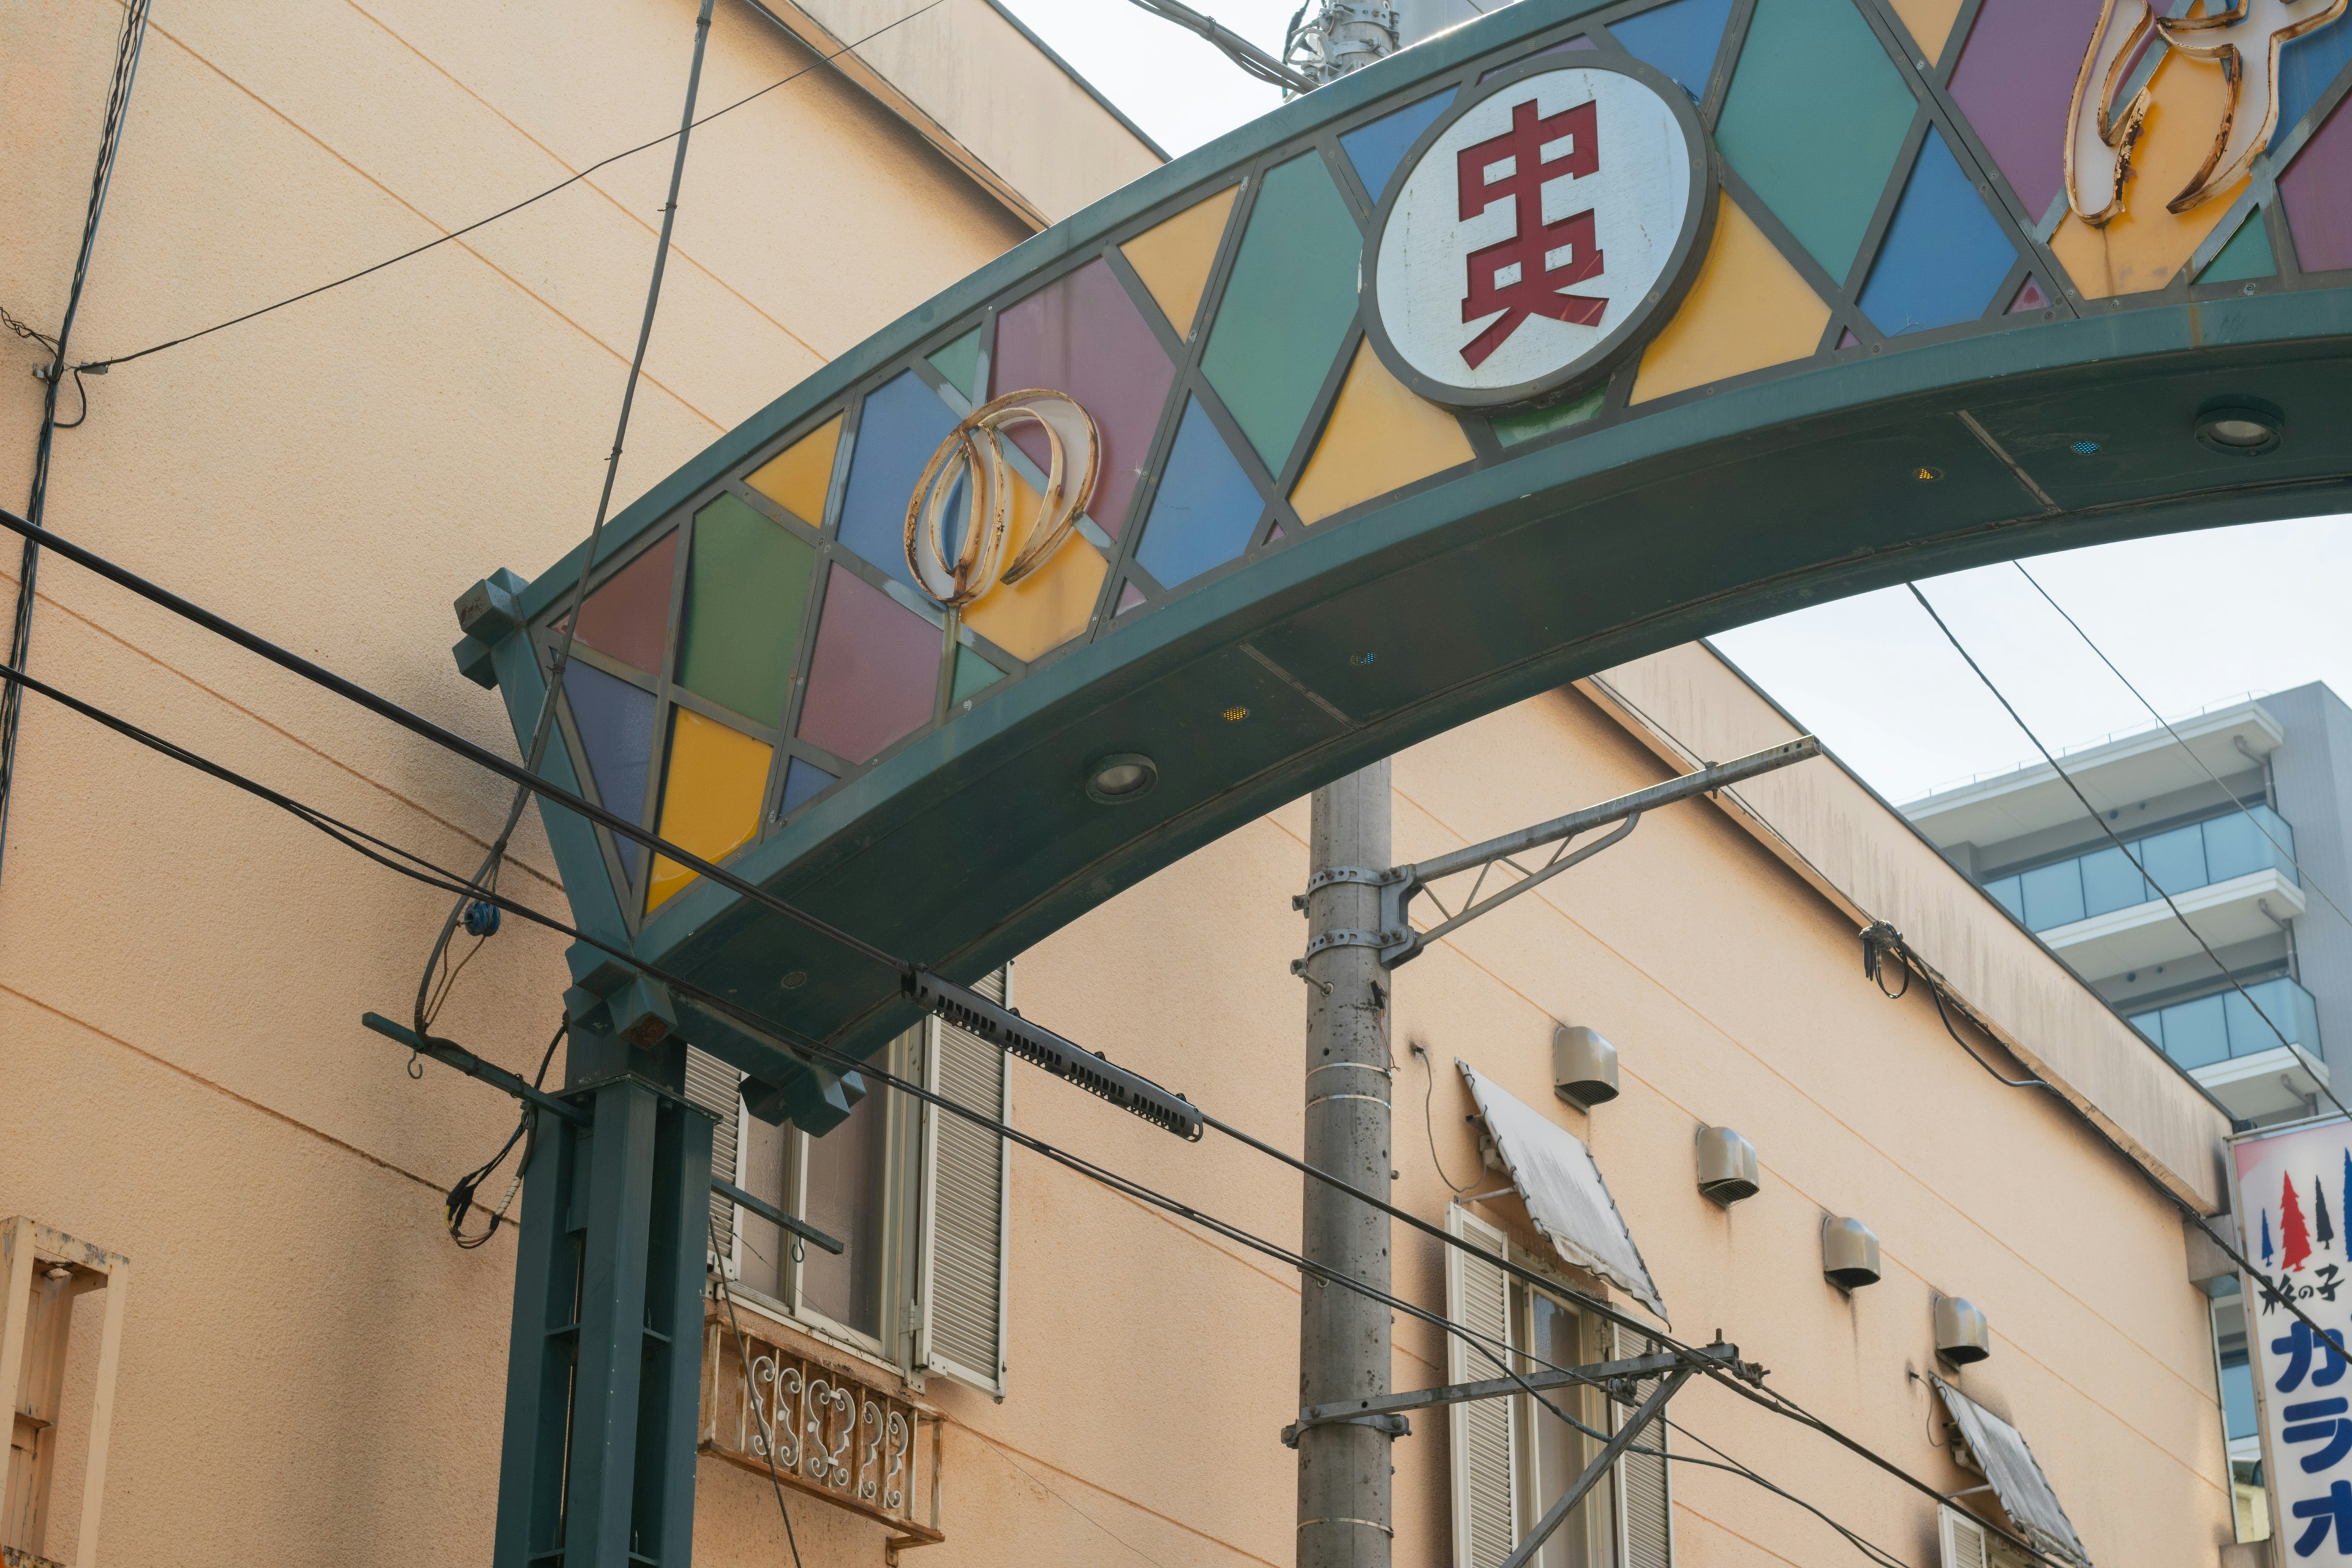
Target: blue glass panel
1945, 253
2286, 1005
1206, 508
2196, 1033
1376, 148
2110, 881
2305, 68
616, 721
2238, 1395
2008, 895
2235, 845
802, 780
2054, 895
902, 425
2151, 1025
1680, 39
2174, 861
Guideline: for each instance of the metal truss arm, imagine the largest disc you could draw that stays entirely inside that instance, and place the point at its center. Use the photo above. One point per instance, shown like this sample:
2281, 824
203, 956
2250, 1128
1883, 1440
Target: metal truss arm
1627, 1435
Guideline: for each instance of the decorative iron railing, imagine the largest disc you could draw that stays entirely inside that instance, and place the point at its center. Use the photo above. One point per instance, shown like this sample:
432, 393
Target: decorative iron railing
832, 1429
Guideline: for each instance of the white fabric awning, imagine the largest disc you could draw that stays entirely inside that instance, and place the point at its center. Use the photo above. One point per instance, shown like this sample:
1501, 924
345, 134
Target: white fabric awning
1565, 1195
2017, 1480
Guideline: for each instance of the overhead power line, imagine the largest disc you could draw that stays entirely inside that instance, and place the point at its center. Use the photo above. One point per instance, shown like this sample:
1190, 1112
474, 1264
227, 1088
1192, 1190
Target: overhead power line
96, 365
1232, 44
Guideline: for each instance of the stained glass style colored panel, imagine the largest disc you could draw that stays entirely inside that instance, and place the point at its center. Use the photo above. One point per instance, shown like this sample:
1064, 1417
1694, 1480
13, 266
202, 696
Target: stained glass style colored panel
1206, 508
874, 673
1130, 596
1929, 23
1375, 148
628, 617
2247, 255
973, 675
615, 722
960, 362
1577, 42
1379, 437
2016, 81
2146, 245
1047, 608
902, 425
1749, 308
1680, 38
2317, 191
1944, 255
746, 593
2029, 296
1526, 423
710, 797
1081, 334
1286, 306
802, 781
2306, 67
1173, 257
1815, 121
798, 478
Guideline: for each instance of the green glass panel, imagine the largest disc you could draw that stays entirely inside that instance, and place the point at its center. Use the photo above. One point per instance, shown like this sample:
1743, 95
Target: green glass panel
746, 592
1287, 306
1815, 121
973, 675
1526, 423
2248, 255
960, 362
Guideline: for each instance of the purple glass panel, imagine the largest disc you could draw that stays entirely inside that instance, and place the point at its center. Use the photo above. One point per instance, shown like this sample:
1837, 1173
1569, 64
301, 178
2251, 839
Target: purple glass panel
1577, 42
874, 673
1084, 336
2317, 191
2030, 297
629, 616
1130, 596
1846, 340
2015, 81
616, 721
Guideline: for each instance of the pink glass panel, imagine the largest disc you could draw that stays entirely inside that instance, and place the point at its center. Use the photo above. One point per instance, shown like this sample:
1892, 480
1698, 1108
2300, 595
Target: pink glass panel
2317, 191
2015, 81
1084, 336
1130, 596
1846, 340
874, 671
2030, 297
629, 616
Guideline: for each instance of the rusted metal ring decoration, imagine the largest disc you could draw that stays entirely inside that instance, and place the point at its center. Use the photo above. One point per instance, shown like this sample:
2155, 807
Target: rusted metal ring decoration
974, 454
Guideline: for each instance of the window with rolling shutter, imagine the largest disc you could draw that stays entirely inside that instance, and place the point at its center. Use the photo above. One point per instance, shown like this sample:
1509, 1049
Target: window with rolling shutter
966, 1177
717, 1087
1486, 1467
1645, 1501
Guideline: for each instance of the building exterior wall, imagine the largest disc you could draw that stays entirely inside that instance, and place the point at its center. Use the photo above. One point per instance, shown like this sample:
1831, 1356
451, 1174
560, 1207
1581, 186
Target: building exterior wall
2312, 776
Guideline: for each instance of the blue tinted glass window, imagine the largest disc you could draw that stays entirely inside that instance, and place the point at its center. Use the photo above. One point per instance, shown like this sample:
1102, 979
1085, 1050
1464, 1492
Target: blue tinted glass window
2006, 893
2110, 881
1206, 508
2176, 860
2152, 1026
2054, 895
2196, 1033
901, 426
2238, 1393
2233, 847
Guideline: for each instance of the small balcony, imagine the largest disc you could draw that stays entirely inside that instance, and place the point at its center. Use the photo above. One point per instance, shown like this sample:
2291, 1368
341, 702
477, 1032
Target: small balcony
2227, 1046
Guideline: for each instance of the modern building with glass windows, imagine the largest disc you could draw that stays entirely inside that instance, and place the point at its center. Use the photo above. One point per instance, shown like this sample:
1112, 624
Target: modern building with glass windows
2241, 826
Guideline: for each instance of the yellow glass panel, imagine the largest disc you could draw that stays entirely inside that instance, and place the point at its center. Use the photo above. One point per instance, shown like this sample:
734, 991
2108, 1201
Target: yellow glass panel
1173, 257
1930, 22
711, 802
1749, 309
1051, 605
1379, 437
797, 478
2143, 246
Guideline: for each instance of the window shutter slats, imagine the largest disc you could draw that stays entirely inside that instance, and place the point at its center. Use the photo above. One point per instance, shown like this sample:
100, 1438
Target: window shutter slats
1485, 1471
964, 1183
717, 1087
1648, 1507
1963, 1540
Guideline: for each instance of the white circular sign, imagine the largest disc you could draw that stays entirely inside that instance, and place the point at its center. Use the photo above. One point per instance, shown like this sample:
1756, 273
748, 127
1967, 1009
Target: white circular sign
1538, 233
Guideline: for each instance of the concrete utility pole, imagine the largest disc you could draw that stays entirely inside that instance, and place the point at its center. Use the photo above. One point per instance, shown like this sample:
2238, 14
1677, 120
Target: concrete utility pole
1343, 1337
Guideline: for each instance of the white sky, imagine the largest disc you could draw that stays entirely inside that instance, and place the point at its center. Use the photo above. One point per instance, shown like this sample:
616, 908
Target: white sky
2192, 619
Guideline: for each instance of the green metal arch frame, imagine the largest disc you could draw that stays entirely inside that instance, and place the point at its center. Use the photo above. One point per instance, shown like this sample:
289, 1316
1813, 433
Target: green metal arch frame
1469, 591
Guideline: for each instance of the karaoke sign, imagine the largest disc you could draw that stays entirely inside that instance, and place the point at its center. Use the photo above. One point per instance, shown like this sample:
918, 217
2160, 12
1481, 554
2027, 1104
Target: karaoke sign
1541, 230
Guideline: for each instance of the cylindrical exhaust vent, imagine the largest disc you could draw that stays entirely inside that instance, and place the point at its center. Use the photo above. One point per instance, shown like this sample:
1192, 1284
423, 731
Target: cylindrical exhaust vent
1849, 1253
1726, 1166
1962, 1335
1583, 1066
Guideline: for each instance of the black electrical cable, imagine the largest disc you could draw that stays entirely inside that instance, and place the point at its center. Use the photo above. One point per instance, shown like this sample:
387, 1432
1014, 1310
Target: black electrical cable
461, 1196
101, 365
127, 48
1252, 59
1429, 1117
767, 1427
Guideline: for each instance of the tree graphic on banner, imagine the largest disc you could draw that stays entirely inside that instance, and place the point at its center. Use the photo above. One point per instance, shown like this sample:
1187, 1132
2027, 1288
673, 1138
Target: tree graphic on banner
2322, 1229
2294, 1236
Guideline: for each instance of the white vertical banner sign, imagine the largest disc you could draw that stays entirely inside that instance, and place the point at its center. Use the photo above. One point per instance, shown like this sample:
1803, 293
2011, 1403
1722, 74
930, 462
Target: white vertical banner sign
2295, 1189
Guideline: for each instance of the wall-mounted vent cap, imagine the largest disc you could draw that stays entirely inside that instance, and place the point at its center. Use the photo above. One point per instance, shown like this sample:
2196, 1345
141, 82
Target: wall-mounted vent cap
1583, 1066
1849, 1253
1726, 1166
1962, 1335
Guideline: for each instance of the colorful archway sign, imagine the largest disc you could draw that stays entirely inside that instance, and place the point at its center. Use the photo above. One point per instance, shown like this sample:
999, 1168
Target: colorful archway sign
1571, 334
